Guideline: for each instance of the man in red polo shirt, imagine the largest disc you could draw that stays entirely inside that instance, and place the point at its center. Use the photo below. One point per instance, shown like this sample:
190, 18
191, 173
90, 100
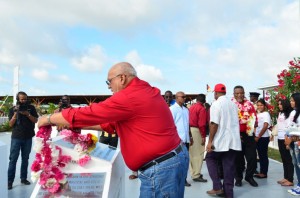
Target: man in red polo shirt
148, 136
198, 120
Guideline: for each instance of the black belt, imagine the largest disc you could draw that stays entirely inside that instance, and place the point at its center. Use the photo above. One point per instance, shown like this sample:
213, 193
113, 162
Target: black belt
162, 158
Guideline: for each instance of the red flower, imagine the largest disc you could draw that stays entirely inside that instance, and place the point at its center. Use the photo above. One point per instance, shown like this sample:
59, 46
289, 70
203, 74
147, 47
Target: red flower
36, 166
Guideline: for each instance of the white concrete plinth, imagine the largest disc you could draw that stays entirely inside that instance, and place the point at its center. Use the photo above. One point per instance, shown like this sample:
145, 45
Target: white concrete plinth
3, 168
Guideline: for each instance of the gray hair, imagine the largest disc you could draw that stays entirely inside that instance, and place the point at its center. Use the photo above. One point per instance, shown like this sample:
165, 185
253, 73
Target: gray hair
130, 70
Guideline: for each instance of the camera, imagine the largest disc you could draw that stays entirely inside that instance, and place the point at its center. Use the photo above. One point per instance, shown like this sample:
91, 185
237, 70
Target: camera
21, 107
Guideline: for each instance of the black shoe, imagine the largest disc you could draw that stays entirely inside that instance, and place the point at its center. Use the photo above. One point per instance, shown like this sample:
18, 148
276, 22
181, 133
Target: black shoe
25, 182
251, 181
200, 179
9, 186
221, 195
238, 183
260, 176
187, 184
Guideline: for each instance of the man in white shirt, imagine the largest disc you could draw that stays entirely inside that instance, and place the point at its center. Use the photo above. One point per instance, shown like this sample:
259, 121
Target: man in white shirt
181, 118
224, 141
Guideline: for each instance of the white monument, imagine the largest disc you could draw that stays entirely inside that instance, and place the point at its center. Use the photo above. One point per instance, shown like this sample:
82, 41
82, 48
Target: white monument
102, 176
3, 166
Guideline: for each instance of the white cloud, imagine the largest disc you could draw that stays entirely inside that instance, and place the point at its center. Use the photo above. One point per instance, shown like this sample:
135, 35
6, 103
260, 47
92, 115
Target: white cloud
145, 72
149, 73
200, 41
93, 60
199, 50
133, 58
40, 74
63, 78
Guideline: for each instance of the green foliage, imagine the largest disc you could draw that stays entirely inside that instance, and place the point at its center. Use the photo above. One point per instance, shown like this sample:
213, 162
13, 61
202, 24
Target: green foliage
52, 107
5, 127
274, 154
7, 104
288, 83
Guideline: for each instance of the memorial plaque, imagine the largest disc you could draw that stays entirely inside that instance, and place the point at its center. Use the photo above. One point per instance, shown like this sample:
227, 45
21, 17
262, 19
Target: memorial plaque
79, 185
105, 153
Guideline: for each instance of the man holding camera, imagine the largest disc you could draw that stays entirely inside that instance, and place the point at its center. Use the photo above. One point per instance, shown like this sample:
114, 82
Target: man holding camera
22, 119
63, 103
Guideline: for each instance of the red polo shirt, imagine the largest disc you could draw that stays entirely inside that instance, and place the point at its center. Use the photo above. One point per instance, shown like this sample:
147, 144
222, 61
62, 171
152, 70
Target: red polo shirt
141, 118
198, 118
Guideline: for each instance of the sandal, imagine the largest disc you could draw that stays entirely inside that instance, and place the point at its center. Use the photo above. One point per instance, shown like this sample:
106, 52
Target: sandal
131, 177
287, 183
282, 181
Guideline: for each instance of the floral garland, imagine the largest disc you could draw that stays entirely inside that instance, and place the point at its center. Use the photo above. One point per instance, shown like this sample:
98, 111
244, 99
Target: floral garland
49, 159
245, 115
48, 162
84, 144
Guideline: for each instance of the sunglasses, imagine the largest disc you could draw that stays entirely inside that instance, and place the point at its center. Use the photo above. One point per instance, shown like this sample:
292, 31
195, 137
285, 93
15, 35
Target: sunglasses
108, 82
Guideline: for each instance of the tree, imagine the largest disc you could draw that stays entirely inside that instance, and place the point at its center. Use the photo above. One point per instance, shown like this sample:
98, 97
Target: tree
288, 83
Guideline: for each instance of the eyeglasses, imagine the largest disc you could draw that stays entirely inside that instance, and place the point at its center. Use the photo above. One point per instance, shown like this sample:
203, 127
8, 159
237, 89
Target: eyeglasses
182, 97
109, 81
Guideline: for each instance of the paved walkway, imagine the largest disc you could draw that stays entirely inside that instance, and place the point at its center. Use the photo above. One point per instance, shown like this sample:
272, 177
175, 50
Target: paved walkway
267, 187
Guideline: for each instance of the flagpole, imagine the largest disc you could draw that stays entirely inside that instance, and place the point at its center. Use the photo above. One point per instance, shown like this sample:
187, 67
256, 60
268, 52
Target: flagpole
15, 84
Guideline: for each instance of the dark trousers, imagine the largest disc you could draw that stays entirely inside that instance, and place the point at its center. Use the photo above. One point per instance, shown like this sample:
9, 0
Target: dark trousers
248, 152
262, 150
111, 141
287, 162
187, 147
16, 146
228, 164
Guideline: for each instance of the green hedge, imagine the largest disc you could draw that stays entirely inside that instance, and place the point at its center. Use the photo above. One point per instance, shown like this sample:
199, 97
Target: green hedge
5, 127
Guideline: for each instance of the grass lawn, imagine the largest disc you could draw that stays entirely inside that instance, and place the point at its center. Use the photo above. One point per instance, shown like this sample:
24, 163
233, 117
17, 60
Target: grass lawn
274, 154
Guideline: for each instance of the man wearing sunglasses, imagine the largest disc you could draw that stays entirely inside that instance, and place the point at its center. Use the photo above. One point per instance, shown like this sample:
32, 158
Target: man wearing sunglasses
181, 118
149, 140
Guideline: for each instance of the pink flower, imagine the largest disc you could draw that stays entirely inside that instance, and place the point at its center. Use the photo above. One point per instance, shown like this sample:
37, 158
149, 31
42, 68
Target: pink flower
52, 185
36, 166
84, 160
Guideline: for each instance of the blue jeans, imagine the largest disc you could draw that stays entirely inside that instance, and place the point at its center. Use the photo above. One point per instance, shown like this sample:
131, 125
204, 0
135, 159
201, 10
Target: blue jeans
166, 179
294, 150
17, 145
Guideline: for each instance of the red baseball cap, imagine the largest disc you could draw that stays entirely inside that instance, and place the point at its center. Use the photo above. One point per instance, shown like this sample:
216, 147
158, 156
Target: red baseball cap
220, 88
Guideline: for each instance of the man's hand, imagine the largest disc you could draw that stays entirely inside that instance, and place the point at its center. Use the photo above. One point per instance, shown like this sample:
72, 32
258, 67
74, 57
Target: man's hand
203, 141
209, 147
191, 141
25, 113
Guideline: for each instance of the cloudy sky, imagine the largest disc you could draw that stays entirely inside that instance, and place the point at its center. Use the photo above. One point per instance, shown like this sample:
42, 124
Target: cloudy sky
67, 47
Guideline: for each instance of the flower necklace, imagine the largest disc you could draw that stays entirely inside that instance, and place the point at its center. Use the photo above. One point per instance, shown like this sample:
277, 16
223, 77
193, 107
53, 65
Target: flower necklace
245, 115
84, 144
48, 162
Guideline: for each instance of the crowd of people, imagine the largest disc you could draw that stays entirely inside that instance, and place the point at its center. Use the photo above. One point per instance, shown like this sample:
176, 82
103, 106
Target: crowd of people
173, 136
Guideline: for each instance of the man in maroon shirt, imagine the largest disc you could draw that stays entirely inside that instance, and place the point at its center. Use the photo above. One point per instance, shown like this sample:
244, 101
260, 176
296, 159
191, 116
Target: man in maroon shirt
198, 120
148, 137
